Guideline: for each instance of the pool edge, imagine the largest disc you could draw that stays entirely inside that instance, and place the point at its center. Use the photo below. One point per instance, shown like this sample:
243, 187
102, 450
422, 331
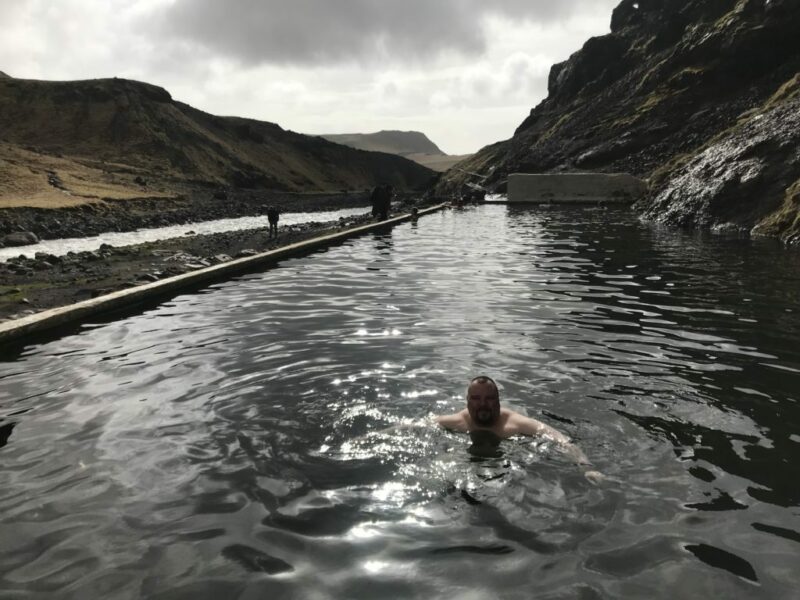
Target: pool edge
73, 313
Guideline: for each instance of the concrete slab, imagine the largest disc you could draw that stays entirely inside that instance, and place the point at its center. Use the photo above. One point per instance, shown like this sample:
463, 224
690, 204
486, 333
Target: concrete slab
575, 187
73, 313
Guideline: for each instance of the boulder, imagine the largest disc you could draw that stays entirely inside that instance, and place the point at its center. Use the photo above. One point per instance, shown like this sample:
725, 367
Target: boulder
20, 238
743, 180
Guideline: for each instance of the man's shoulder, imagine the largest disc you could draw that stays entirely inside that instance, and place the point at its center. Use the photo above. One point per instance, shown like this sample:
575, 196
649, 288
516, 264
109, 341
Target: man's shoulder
512, 416
518, 423
455, 421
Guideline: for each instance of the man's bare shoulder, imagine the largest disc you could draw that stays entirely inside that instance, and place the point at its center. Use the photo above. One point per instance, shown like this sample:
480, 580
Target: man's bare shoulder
458, 421
516, 423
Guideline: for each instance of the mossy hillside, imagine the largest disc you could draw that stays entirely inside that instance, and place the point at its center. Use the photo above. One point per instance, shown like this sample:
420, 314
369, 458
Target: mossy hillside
784, 223
115, 129
671, 79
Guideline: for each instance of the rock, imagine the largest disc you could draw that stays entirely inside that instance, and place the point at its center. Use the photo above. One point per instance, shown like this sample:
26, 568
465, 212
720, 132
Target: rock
246, 252
190, 232
54, 180
671, 81
220, 258
24, 301
10, 291
20, 238
741, 180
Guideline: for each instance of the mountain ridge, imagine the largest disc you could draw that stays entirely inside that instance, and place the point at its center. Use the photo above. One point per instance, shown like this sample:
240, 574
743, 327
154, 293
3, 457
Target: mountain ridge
391, 141
670, 80
118, 130
413, 145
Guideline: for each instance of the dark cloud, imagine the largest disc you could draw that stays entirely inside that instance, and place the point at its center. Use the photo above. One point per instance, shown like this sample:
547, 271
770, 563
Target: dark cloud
332, 31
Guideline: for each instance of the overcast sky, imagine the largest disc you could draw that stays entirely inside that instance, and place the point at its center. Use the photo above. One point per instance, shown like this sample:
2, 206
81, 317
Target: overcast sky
464, 72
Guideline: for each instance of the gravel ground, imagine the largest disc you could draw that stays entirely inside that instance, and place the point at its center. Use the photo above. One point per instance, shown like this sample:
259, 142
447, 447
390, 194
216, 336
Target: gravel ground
30, 285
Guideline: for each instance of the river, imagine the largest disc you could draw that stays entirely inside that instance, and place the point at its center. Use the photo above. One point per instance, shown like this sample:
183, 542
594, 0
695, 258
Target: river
60, 247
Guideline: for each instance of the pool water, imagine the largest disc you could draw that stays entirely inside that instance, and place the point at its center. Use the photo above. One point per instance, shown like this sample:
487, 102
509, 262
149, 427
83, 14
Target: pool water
272, 436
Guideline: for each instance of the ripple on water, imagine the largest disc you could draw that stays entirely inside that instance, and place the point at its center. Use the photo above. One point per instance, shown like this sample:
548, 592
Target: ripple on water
274, 435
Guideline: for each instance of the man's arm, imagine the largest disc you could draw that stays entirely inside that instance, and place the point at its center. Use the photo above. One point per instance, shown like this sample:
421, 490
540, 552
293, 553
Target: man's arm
455, 422
530, 426
535, 427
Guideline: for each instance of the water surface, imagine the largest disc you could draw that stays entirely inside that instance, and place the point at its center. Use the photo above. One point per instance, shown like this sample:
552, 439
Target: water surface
270, 436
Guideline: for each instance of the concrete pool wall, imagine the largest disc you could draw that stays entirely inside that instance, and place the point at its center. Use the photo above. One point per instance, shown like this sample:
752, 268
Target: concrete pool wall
575, 187
73, 313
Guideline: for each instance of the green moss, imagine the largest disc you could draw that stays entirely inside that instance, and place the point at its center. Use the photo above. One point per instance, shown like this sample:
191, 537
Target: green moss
658, 176
650, 73
556, 126
649, 103
787, 91
784, 222
9, 297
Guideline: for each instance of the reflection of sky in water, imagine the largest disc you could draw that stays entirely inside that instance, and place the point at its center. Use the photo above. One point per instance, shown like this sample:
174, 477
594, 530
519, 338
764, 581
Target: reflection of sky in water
276, 430
431, 463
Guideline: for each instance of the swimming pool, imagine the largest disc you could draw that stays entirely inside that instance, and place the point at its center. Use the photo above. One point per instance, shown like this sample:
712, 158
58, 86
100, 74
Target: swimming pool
271, 435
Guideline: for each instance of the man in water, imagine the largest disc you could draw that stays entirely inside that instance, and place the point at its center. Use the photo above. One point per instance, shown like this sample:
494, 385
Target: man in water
483, 414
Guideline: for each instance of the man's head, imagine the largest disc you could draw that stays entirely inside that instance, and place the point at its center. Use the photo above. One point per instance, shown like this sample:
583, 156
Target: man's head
483, 401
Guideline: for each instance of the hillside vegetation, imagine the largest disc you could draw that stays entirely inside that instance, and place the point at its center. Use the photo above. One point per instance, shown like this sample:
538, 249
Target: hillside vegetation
114, 138
412, 145
672, 94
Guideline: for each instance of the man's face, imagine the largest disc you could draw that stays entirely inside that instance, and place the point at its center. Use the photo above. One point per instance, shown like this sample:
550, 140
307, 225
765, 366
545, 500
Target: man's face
483, 403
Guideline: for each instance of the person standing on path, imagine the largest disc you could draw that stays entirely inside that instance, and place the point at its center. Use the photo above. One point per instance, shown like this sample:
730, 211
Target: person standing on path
381, 199
273, 214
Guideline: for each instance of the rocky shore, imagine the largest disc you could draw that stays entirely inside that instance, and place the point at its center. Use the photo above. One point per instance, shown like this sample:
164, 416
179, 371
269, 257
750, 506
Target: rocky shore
24, 225
33, 284
700, 98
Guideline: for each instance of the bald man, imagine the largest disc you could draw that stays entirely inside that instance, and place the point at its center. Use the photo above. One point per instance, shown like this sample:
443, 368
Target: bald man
483, 413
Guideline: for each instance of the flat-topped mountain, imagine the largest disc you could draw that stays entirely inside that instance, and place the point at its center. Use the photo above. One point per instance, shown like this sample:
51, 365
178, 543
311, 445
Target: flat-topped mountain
96, 137
392, 142
413, 145
699, 96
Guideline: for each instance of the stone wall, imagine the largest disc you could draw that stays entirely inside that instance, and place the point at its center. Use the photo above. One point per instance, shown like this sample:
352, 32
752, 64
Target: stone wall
575, 187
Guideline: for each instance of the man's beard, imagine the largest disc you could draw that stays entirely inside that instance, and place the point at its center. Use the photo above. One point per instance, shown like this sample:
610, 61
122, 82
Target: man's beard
485, 417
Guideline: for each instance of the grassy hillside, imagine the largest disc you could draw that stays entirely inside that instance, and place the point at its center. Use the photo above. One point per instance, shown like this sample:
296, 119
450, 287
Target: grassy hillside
111, 133
392, 142
412, 145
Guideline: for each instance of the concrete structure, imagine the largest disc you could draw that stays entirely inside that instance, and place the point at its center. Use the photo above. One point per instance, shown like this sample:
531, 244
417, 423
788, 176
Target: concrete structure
575, 187
124, 299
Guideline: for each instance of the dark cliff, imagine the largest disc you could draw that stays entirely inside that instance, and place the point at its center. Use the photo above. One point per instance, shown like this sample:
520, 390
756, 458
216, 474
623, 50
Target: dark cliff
674, 83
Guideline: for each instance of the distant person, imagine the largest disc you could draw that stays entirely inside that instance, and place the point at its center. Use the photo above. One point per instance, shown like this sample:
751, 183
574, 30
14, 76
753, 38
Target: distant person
273, 214
375, 199
484, 414
387, 202
414, 214
381, 199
